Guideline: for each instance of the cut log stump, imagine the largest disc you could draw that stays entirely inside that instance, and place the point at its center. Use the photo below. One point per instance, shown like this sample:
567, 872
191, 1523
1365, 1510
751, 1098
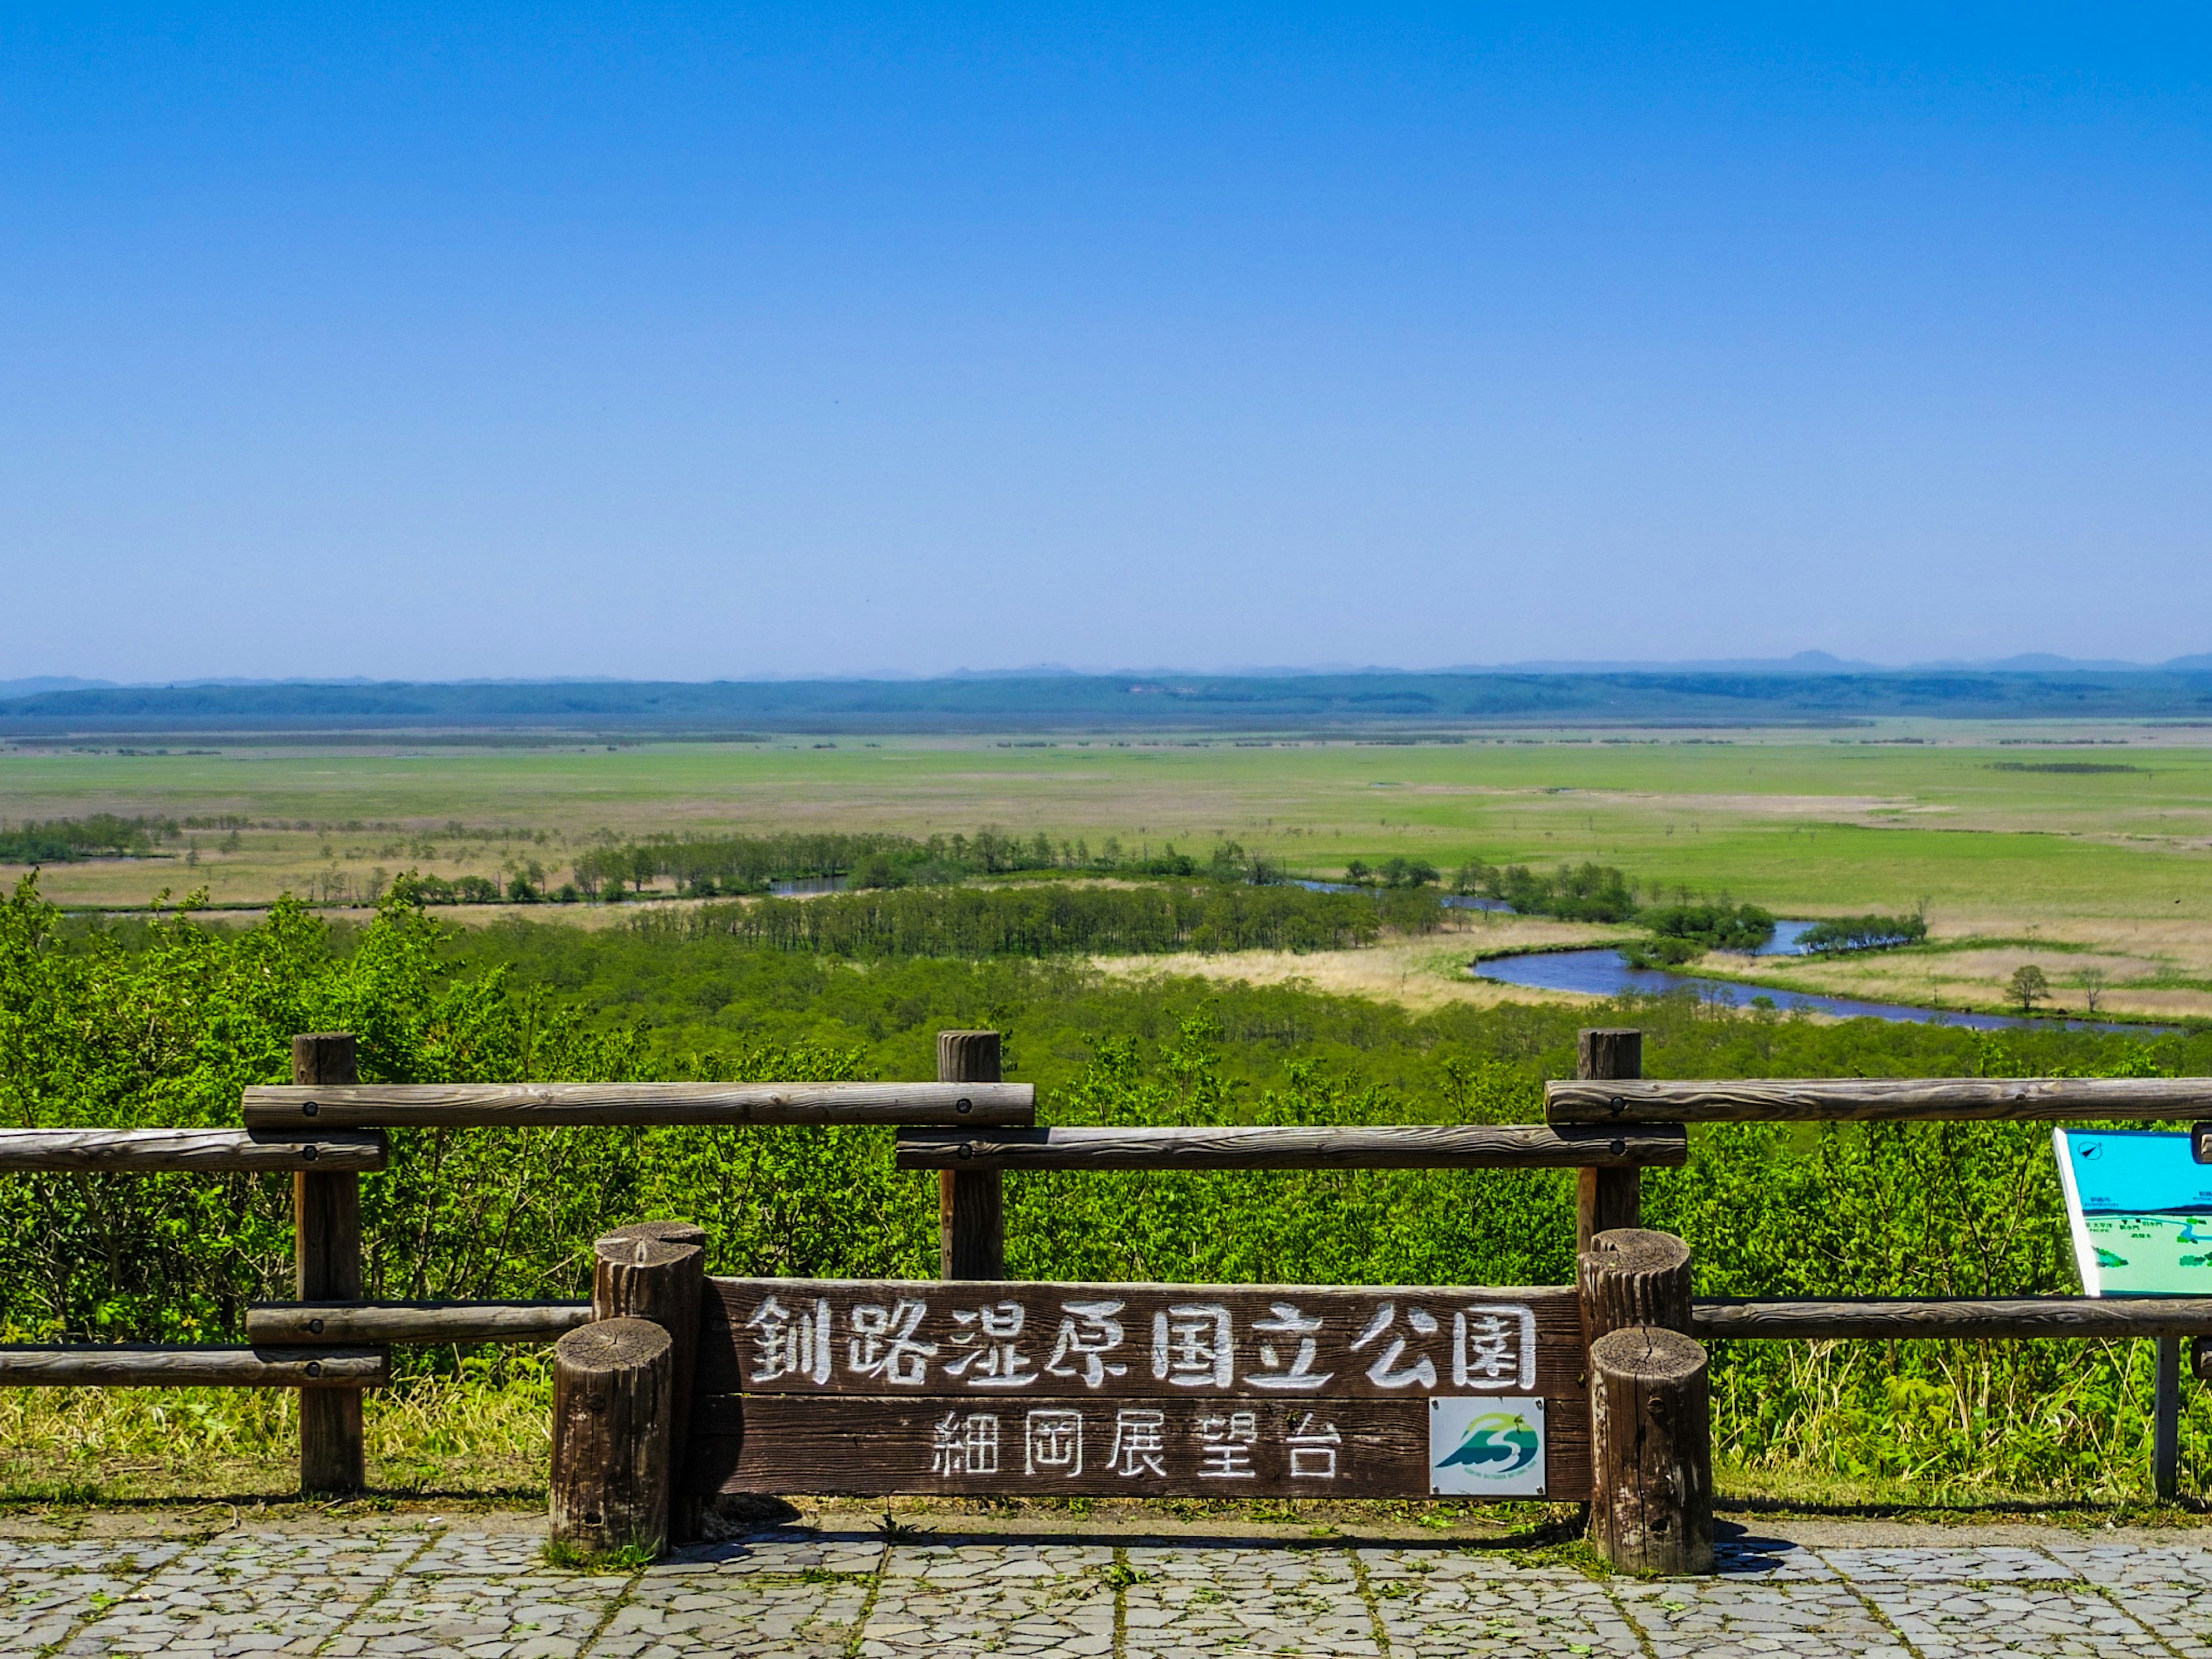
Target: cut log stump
1631, 1276
612, 1384
657, 1270
1652, 1487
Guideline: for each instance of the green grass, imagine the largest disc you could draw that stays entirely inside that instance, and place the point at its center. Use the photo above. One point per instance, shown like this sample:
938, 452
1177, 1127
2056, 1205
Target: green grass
1793, 822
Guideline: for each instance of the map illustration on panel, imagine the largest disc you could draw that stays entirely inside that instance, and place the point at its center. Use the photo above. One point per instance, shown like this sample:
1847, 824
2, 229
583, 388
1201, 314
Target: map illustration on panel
2141, 1208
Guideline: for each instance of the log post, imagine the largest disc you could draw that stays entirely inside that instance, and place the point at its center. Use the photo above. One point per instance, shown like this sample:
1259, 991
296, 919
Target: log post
1651, 1454
657, 1270
1607, 1199
1629, 1276
612, 1383
971, 1214
326, 1268
1651, 1457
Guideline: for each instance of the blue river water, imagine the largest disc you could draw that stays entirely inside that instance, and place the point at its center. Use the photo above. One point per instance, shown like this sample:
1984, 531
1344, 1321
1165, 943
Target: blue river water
807, 886
1449, 900
1604, 973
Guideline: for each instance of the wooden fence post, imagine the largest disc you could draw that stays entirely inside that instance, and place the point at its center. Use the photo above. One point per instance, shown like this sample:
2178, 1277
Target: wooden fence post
1651, 1458
326, 1268
612, 1383
657, 1271
2165, 1424
971, 1213
1607, 1199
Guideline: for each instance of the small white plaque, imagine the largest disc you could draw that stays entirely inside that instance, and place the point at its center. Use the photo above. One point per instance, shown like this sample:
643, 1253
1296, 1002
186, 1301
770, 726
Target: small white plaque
1486, 1446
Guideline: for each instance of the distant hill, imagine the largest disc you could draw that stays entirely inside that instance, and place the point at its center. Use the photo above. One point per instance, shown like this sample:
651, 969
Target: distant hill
1098, 702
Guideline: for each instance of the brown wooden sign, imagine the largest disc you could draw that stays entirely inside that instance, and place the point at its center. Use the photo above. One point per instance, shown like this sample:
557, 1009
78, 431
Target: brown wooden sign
1143, 1390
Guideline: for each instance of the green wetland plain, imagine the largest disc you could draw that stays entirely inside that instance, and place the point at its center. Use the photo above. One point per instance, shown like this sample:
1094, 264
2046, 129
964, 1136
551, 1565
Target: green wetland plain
2081, 850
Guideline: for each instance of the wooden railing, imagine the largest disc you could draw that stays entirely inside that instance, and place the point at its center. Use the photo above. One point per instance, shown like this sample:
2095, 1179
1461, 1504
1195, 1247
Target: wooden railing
327, 1129
1623, 1098
1608, 1124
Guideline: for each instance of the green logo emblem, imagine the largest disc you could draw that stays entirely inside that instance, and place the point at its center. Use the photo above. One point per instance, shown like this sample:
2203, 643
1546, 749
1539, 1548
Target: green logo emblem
1496, 1444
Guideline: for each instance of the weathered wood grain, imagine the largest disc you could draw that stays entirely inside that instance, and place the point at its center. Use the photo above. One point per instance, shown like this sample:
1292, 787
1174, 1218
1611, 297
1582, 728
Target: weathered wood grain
827, 1337
612, 1452
462, 1105
326, 1267
413, 1322
1651, 1483
1269, 1146
971, 1203
657, 1271
201, 1151
862, 1447
1893, 1318
137, 1366
1607, 1199
2016, 1100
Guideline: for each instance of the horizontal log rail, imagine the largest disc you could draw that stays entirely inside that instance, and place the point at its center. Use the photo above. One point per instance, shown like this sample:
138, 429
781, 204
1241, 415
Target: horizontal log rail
555, 1105
413, 1322
2015, 1100
137, 1366
2005, 1318
1266, 1146
201, 1151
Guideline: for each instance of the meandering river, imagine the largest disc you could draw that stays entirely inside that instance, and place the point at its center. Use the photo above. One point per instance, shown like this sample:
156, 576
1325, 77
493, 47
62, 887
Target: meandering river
1604, 973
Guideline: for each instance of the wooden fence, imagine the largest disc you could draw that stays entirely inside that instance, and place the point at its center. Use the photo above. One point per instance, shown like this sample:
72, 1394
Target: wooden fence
671, 1388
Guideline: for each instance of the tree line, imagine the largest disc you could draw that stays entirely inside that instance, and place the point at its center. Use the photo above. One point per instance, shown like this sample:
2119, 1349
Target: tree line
705, 867
1054, 920
103, 835
1583, 892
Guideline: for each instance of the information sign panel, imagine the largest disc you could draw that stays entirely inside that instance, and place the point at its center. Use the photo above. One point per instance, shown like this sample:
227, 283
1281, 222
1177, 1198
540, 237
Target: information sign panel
2141, 1209
1145, 1390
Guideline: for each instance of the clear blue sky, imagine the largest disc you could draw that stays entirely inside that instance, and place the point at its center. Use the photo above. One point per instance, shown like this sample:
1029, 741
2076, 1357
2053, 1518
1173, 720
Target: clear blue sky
714, 342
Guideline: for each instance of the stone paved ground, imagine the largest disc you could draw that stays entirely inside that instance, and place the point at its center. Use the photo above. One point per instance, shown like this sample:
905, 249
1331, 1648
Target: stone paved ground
477, 1587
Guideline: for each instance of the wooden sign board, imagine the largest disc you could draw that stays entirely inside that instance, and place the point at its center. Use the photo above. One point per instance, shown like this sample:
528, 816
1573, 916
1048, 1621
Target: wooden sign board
880, 1387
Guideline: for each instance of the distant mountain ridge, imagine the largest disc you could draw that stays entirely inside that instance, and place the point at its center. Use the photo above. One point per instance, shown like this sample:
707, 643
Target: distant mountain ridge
1372, 699
1802, 662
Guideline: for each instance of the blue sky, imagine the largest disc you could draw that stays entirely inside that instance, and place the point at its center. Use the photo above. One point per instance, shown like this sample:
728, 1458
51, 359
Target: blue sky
714, 342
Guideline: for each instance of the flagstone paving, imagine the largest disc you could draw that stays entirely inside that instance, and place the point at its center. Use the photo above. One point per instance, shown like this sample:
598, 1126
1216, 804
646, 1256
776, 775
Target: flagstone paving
479, 1587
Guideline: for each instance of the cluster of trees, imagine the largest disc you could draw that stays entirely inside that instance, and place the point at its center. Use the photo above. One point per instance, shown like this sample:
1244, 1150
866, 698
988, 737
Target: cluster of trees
1393, 874
1863, 933
103, 835
1054, 920
1580, 893
1682, 933
419, 889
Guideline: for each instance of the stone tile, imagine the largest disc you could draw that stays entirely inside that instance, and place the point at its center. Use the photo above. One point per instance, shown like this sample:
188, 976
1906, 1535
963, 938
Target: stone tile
1946, 1565
843, 1554
47, 1590
2054, 1620
479, 1595
1770, 1557
473, 1592
249, 1594
736, 1607
1012, 1598
1185, 1603
1753, 1618
1436, 1605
